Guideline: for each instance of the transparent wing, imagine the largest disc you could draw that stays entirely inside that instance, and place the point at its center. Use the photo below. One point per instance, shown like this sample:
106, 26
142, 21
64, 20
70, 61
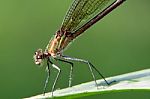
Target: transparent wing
80, 11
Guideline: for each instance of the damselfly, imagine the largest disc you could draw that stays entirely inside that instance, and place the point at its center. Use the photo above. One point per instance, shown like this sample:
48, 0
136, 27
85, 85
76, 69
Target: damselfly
81, 15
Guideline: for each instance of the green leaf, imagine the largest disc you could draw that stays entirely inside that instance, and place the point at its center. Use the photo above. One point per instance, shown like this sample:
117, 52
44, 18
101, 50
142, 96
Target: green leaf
139, 80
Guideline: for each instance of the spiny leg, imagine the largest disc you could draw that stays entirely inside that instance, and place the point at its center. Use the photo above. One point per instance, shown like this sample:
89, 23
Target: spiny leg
48, 75
84, 61
108, 83
90, 65
71, 70
57, 76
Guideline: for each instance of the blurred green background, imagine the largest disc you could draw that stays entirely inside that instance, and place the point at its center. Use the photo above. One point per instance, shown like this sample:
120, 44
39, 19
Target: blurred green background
119, 44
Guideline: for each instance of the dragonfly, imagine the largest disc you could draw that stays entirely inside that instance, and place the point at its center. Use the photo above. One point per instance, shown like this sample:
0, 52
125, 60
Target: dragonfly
81, 15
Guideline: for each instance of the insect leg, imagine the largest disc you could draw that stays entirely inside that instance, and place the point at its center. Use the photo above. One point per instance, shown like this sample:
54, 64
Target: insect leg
90, 67
71, 70
57, 76
48, 75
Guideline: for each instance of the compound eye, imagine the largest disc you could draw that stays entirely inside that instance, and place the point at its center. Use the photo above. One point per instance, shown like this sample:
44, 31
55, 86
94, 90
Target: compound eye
35, 53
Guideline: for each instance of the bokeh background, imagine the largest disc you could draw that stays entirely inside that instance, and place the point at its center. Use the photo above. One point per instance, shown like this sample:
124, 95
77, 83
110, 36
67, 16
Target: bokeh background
118, 44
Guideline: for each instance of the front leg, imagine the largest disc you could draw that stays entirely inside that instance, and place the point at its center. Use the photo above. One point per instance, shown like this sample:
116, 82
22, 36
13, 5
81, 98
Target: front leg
48, 75
57, 76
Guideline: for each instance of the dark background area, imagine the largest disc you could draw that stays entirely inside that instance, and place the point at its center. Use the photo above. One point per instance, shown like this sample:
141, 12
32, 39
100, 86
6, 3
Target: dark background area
118, 44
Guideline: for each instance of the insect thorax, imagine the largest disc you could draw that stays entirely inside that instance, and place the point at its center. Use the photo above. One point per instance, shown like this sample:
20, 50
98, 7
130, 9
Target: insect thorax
58, 43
